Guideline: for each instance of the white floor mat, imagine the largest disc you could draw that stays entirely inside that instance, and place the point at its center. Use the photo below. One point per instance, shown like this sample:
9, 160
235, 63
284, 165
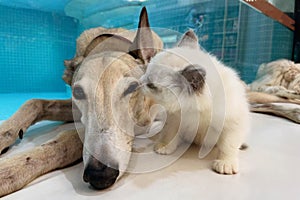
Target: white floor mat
269, 169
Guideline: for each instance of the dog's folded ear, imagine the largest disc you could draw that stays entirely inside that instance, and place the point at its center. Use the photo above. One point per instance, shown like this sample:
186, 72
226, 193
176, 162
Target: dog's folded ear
195, 76
143, 44
107, 42
189, 39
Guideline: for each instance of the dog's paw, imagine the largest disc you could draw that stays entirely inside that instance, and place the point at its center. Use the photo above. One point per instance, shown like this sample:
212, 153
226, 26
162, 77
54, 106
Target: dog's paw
225, 166
163, 148
8, 134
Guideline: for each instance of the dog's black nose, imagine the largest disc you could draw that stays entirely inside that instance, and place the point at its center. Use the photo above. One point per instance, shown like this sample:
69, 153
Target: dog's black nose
99, 175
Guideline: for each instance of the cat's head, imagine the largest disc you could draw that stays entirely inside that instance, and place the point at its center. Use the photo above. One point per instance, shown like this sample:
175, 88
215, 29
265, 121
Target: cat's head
171, 74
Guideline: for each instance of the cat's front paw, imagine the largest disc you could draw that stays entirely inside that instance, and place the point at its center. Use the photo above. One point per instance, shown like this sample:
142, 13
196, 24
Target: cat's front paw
226, 166
164, 148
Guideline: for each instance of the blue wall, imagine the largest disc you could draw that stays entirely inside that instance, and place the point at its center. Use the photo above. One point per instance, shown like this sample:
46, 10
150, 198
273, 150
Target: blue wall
33, 47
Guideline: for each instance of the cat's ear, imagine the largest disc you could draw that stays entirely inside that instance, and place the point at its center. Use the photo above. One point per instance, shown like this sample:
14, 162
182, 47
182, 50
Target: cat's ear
195, 76
189, 39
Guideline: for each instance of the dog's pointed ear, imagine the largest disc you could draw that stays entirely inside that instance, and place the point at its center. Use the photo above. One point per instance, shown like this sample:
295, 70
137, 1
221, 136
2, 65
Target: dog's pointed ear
195, 76
143, 45
189, 39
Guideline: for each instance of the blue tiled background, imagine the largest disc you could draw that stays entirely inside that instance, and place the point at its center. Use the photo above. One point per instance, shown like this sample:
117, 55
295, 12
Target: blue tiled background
35, 43
33, 47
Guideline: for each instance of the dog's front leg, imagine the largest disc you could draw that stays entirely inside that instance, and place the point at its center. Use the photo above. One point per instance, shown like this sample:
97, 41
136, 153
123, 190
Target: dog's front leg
31, 112
19, 170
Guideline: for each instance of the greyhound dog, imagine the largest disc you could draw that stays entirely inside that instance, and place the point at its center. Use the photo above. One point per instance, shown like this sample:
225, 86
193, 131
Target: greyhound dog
101, 74
105, 74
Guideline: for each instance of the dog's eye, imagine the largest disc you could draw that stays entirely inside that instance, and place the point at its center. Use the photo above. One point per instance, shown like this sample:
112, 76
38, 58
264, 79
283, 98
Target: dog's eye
131, 88
78, 93
151, 86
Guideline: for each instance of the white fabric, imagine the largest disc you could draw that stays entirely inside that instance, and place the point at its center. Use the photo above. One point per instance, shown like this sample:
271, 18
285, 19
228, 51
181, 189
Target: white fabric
269, 169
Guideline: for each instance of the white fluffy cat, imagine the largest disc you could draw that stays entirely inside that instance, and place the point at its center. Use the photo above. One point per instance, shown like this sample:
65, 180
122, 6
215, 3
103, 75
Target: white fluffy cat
205, 102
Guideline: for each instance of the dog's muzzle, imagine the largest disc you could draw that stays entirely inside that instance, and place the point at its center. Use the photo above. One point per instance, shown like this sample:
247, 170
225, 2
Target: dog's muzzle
99, 175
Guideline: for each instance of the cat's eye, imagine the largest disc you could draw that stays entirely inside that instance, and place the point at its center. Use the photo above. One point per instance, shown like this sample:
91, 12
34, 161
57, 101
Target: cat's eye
78, 93
151, 86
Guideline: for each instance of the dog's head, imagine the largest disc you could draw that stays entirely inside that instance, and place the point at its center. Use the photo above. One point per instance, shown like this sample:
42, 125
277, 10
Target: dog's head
101, 88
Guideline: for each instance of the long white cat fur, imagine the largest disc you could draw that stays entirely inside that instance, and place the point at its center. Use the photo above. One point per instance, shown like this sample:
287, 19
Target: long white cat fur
205, 101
